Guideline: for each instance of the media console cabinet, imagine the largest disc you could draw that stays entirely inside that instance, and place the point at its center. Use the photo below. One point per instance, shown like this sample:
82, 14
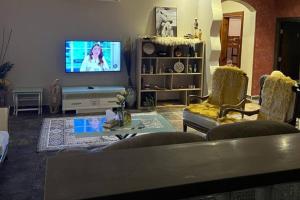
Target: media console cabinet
84, 100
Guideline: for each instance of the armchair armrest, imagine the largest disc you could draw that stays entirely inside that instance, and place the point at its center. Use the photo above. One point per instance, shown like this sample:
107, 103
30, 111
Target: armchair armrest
241, 104
244, 112
202, 98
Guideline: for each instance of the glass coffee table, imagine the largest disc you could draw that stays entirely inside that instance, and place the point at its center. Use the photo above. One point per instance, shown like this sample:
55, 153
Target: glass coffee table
141, 123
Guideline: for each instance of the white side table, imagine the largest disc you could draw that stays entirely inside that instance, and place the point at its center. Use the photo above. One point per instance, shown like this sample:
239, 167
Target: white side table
21, 95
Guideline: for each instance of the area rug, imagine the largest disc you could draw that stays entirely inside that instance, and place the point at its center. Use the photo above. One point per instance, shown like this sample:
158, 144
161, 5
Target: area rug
61, 133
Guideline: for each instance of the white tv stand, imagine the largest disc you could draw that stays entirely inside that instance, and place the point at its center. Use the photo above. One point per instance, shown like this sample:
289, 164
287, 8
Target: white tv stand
85, 100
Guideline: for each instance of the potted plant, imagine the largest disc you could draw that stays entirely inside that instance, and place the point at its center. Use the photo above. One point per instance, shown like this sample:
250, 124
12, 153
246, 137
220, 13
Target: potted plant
5, 67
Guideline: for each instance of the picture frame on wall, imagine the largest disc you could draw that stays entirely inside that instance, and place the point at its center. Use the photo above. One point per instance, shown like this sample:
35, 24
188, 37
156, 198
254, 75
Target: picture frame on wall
166, 21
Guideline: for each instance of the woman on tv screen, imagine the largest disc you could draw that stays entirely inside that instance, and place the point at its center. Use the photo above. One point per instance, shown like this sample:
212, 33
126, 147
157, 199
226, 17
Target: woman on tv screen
94, 61
92, 56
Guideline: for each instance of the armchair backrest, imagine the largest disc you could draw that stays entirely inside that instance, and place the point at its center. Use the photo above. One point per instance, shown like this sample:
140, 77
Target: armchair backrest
4, 119
229, 86
277, 98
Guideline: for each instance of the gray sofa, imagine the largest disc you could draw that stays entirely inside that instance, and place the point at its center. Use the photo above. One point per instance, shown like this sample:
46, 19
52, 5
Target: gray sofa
250, 129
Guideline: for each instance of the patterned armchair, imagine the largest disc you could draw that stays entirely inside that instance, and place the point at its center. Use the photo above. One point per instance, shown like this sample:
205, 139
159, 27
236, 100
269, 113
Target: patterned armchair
4, 136
229, 87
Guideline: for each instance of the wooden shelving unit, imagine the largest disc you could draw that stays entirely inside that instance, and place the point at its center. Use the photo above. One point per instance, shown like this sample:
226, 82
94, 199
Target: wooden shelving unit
157, 78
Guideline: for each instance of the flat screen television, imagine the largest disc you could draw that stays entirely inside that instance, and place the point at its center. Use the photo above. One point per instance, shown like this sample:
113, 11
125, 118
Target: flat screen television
92, 56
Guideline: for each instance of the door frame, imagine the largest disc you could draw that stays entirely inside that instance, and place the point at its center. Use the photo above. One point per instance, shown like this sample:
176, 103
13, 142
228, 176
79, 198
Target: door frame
279, 21
239, 14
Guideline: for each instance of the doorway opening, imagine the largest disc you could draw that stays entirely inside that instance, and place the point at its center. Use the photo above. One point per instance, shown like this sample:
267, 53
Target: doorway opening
231, 35
287, 54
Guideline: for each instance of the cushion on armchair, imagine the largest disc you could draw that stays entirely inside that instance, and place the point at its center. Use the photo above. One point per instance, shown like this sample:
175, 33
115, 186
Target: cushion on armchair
206, 109
277, 98
228, 86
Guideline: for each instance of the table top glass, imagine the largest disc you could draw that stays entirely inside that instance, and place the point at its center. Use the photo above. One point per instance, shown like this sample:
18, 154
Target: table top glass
140, 123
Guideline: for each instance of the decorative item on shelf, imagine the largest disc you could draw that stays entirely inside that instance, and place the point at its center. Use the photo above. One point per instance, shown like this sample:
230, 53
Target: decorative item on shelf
178, 52
166, 21
147, 86
121, 99
188, 36
191, 51
169, 70
162, 54
149, 102
144, 69
200, 34
55, 96
178, 67
5, 67
151, 70
196, 28
158, 88
160, 69
195, 68
191, 86
190, 69
148, 48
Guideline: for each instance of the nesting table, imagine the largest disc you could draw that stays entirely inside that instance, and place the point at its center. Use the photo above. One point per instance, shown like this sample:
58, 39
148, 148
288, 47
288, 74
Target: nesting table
23, 95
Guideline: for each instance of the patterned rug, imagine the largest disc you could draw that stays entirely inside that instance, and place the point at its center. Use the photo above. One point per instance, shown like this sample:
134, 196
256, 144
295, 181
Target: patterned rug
85, 132
57, 133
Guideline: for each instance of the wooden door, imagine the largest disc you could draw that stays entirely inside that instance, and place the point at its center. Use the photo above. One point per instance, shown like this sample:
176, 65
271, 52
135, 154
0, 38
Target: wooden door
231, 38
288, 59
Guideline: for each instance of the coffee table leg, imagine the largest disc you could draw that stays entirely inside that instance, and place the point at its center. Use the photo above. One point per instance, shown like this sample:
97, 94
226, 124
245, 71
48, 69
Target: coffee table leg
121, 137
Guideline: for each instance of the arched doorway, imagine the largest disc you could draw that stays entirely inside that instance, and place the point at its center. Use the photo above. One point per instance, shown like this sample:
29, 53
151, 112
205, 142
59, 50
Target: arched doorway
232, 7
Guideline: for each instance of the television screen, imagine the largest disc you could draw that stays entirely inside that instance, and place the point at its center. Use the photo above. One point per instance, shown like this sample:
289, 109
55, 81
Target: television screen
92, 56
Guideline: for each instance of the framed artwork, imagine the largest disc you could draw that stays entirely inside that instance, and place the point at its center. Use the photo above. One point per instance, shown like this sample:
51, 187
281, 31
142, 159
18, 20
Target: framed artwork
166, 21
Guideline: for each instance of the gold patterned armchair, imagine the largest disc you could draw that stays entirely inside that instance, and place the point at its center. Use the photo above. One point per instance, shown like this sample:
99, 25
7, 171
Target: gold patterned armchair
229, 87
278, 100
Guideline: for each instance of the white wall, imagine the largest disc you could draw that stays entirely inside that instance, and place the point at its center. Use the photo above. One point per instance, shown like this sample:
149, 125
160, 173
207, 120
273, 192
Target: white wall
40, 28
248, 36
210, 17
